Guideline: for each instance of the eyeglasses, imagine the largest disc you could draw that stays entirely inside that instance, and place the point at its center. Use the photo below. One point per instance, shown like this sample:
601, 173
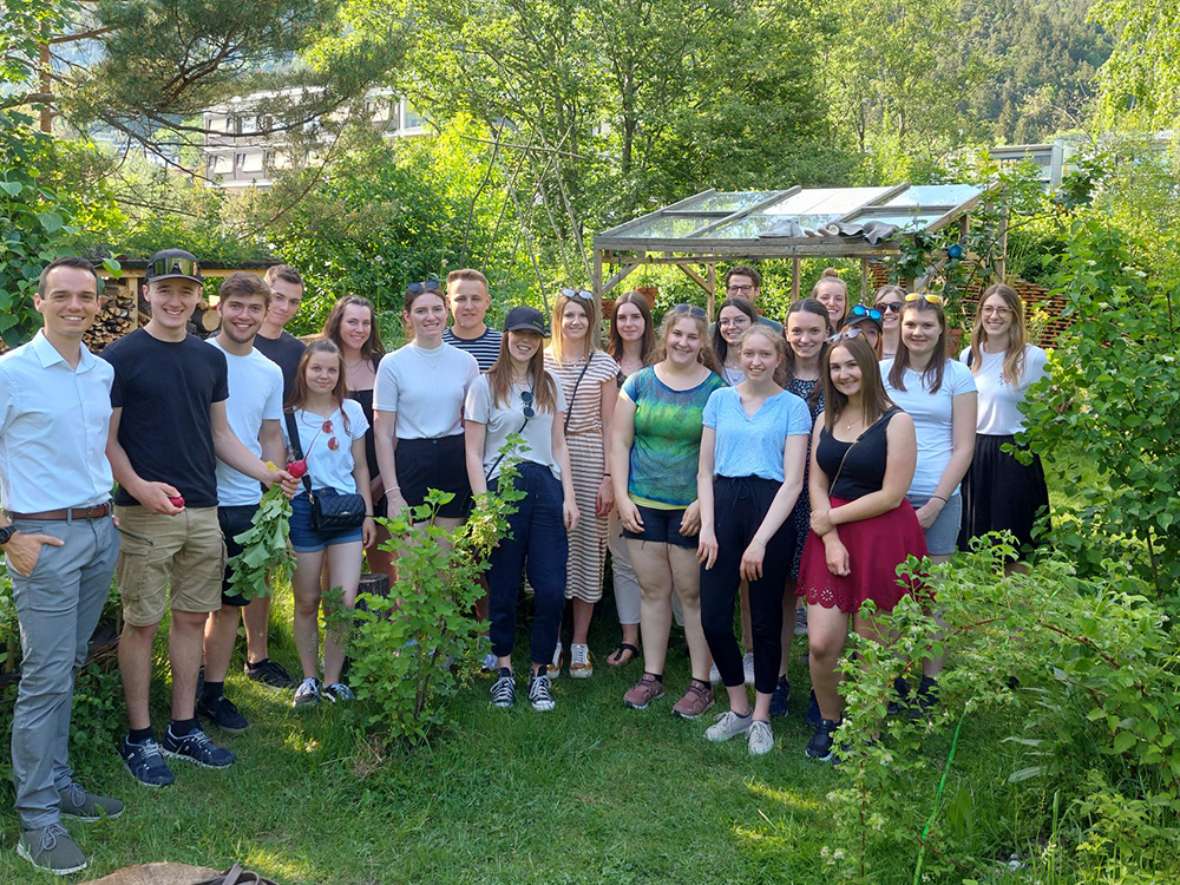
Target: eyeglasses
860, 310
418, 288
928, 297
691, 309
847, 334
995, 311
738, 288
174, 266
890, 306
743, 320
580, 294
526, 397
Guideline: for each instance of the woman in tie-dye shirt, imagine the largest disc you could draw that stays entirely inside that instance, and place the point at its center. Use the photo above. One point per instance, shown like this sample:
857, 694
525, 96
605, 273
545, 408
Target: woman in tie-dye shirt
655, 452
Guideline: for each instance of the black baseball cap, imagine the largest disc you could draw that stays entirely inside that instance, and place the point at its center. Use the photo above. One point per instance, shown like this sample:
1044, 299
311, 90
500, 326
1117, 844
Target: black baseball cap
170, 264
525, 319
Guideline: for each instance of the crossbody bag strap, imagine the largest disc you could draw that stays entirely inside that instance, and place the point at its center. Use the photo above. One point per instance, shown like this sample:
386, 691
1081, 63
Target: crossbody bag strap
297, 447
889, 413
569, 407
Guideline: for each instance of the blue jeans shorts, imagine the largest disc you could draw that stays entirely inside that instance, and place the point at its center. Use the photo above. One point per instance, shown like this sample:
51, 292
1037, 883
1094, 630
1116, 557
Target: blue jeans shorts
306, 539
942, 538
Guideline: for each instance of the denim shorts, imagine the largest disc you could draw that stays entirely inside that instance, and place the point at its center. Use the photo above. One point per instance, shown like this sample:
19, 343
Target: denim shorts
662, 527
306, 539
942, 538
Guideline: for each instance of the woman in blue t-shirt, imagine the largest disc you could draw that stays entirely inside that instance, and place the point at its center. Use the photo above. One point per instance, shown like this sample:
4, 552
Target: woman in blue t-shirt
939, 394
753, 446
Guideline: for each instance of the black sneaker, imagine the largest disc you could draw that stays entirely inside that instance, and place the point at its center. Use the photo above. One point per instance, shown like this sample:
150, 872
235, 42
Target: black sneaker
269, 673
503, 691
822, 743
145, 763
781, 698
223, 713
813, 716
196, 747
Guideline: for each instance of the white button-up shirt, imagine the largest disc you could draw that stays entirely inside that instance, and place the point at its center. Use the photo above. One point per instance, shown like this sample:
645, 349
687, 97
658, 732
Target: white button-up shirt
54, 422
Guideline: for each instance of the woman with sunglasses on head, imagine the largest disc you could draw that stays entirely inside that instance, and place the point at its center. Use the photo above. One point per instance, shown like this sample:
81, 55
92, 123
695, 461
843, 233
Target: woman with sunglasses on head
753, 447
352, 327
807, 331
832, 292
589, 382
868, 322
519, 396
939, 394
735, 316
998, 491
889, 300
632, 341
655, 450
331, 440
418, 411
863, 451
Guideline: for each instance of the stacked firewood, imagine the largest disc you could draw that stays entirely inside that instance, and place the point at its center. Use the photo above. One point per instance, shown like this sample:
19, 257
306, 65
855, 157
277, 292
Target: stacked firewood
117, 318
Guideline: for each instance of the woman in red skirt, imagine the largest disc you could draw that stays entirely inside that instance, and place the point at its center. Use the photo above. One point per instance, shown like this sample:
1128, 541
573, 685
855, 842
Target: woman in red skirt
863, 453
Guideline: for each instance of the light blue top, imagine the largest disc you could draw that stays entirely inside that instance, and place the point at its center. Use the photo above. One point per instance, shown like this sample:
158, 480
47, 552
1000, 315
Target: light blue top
752, 445
932, 414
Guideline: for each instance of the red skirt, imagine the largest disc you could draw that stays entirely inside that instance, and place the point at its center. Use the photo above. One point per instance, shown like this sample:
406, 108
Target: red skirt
875, 548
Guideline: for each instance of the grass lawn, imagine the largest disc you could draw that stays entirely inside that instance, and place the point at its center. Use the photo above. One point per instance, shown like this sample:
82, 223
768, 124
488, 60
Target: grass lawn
590, 792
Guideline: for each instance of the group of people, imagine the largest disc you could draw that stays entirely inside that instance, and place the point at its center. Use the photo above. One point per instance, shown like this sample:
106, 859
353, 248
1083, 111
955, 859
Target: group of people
751, 464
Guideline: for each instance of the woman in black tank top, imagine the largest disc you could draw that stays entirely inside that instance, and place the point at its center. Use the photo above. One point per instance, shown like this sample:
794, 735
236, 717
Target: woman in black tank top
863, 455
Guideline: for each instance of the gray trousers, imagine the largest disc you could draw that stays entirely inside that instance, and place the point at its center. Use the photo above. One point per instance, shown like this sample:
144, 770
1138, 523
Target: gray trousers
58, 606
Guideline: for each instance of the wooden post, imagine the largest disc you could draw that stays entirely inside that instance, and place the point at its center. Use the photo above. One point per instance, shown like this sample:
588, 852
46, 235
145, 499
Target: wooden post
795, 278
1002, 261
865, 298
711, 291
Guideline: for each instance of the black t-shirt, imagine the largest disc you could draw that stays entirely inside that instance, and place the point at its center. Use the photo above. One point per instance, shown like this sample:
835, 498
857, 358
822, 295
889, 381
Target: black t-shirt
165, 390
864, 461
286, 350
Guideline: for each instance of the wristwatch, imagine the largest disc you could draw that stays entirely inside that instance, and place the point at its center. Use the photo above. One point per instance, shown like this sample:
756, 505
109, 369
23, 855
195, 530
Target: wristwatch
6, 534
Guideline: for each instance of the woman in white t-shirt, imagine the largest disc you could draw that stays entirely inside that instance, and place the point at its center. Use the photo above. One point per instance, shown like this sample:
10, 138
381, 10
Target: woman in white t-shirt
331, 436
998, 491
518, 396
938, 393
418, 411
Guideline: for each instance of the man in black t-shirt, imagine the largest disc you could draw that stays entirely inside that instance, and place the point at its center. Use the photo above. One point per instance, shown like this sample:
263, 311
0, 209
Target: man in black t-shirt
286, 294
168, 429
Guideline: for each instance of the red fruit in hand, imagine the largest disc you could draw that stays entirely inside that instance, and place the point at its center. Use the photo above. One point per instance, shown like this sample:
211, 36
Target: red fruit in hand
297, 468
177, 501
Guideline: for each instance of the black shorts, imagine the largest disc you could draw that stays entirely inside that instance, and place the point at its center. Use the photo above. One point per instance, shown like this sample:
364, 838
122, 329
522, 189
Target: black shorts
434, 464
662, 527
233, 521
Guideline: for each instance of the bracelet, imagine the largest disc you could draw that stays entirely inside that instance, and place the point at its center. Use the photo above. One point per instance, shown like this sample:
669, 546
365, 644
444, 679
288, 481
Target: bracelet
393, 489
939, 497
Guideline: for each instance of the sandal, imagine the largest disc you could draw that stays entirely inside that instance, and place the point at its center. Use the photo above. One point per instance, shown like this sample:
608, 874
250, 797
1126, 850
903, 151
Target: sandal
623, 647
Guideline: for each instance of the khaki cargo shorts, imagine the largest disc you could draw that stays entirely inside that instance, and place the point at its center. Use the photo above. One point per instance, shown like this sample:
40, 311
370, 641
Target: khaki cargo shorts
185, 551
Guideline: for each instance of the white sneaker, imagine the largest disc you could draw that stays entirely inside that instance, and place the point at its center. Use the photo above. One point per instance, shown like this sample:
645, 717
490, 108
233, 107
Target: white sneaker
748, 667
554, 669
729, 724
539, 694
760, 739
581, 666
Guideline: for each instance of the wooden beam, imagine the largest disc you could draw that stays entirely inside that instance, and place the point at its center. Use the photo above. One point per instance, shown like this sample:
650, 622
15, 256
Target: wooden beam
711, 292
615, 278
1002, 261
864, 282
835, 247
795, 278
696, 277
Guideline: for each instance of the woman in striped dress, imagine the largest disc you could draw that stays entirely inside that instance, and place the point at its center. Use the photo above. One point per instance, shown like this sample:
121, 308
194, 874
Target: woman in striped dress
589, 380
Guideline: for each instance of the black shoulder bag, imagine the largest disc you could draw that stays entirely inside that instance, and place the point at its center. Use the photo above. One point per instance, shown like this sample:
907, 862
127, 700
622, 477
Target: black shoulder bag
330, 510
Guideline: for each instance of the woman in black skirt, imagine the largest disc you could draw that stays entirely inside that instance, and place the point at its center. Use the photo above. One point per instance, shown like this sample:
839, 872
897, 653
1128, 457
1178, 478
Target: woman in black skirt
998, 491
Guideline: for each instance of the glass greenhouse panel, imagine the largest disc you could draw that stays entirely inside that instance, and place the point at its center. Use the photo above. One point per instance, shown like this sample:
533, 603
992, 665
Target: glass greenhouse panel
725, 202
947, 195
668, 227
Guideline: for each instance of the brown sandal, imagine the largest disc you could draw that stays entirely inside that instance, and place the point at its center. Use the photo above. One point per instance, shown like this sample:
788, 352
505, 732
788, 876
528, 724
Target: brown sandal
620, 649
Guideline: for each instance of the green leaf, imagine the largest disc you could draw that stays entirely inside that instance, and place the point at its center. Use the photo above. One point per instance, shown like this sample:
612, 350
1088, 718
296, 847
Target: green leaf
1124, 740
51, 221
12, 188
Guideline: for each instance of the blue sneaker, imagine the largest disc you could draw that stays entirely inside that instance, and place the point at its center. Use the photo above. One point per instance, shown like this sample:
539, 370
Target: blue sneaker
196, 747
780, 700
813, 716
822, 745
145, 763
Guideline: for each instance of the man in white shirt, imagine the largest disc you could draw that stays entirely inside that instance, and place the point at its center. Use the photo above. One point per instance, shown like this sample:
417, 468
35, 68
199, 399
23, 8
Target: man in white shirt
254, 410
60, 548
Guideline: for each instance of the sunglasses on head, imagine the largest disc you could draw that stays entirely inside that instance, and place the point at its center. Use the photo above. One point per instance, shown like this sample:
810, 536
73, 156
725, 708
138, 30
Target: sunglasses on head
580, 294
424, 286
847, 334
691, 309
172, 266
526, 397
928, 297
861, 311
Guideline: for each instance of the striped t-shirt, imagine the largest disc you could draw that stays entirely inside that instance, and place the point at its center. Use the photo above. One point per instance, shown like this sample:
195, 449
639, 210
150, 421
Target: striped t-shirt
666, 445
485, 348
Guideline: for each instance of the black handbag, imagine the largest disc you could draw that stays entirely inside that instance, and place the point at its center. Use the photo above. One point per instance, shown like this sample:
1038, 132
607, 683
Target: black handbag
330, 510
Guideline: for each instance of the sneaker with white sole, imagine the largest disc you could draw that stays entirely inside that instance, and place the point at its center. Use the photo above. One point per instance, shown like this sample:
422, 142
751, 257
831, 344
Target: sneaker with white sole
338, 691
51, 849
195, 747
78, 803
581, 664
307, 694
748, 667
504, 689
554, 669
541, 694
760, 738
728, 725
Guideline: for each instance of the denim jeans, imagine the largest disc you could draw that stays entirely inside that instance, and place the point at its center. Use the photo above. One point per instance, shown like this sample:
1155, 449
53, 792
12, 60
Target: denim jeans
537, 545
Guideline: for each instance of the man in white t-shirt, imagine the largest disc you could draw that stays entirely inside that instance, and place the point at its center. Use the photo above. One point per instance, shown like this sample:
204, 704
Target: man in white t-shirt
255, 411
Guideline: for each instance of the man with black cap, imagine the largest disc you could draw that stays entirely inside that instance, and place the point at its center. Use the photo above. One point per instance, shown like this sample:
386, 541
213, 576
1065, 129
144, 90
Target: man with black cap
168, 430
